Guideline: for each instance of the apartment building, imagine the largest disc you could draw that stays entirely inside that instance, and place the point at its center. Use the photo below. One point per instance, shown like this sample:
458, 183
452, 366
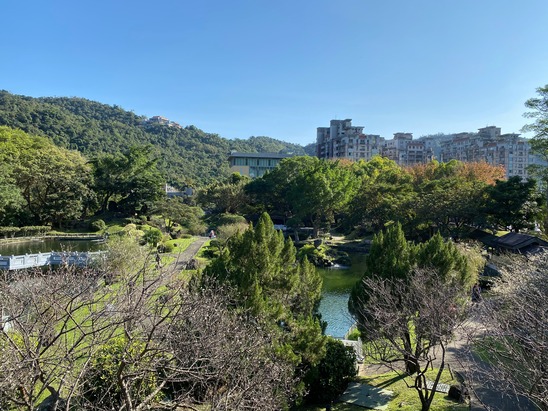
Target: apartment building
493, 147
343, 140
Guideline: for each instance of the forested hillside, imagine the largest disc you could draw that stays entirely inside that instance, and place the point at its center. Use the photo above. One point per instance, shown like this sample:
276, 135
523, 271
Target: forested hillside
187, 156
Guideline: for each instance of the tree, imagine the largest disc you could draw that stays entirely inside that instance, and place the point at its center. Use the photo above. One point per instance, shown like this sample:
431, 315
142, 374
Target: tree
452, 195
385, 195
305, 190
225, 197
539, 112
11, 200
99, 346
515, 203
394, 262
282, 292
176, 213
53, 182
515, 339
322, 192
411, 320
51, 340
130, 179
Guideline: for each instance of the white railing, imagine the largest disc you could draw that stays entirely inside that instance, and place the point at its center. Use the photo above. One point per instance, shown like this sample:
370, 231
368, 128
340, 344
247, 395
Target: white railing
20, 262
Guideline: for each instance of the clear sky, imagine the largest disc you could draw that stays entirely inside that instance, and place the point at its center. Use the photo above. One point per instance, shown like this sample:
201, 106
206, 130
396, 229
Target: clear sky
281, 68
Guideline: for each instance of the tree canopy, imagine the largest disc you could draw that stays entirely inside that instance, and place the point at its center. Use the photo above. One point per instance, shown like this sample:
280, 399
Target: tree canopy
190, 156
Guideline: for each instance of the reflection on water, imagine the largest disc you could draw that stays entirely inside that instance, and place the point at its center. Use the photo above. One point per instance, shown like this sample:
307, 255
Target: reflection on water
47, 245
337, 284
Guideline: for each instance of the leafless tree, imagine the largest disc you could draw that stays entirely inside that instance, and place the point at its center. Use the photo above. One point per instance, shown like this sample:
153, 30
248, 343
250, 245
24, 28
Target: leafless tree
411, 321
144, 339
514, 339
53, 329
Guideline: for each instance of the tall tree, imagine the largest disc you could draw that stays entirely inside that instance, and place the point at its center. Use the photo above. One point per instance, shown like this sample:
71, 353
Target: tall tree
516, 338
225, 197
54, 182
539, 112
130, 179
385, 195
451, 195
276, 287
394, 260
515, 203
306, 190
411, 320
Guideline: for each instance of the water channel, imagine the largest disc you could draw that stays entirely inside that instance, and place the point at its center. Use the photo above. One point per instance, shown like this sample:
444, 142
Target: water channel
337, 283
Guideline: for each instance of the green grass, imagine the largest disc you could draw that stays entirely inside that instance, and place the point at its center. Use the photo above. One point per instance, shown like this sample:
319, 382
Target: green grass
407, 399
181, 244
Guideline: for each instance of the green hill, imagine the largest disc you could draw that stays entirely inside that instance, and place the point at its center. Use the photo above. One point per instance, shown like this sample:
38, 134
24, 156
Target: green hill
187, 156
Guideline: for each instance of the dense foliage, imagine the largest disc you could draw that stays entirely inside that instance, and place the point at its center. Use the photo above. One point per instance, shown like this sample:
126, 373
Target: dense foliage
186, 156
277, 288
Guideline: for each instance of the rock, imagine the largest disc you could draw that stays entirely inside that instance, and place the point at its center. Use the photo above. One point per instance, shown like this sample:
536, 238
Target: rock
47, 404
455, 393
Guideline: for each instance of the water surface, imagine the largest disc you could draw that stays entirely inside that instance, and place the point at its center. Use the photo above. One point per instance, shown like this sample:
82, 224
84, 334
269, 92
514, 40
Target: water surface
337, 284
49, 244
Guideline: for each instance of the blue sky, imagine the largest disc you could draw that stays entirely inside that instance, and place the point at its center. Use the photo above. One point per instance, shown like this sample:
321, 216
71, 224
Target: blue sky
244, 68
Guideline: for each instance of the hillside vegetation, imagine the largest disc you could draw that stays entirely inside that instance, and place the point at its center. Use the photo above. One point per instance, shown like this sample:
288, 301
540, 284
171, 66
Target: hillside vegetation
187, 156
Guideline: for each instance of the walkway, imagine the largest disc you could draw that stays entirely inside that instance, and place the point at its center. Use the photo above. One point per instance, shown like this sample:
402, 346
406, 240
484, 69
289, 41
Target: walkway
185, 256
486, 392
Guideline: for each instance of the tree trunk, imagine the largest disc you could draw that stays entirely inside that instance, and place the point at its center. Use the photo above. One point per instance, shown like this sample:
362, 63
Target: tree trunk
411, 365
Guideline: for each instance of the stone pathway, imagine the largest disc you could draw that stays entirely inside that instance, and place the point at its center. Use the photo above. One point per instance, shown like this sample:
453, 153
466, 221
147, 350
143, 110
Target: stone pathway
366, 396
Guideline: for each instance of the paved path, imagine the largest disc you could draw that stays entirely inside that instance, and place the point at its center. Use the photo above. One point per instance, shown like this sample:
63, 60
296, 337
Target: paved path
187, 254
486, 394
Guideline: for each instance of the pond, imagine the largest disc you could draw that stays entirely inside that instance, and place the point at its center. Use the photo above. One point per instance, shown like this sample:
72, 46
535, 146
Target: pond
49, 244
337, 284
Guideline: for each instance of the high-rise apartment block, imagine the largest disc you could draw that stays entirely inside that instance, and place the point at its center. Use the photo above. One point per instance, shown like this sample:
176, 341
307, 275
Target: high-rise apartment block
489, 145
343, 140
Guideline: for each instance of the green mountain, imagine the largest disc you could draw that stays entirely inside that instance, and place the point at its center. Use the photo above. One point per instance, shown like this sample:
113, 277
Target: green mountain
187, 156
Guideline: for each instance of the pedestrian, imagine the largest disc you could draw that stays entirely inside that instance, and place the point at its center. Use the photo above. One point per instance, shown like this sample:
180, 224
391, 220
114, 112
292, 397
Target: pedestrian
476, 293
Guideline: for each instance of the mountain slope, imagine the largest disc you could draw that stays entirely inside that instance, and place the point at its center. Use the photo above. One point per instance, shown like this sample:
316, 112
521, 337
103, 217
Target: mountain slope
186, 155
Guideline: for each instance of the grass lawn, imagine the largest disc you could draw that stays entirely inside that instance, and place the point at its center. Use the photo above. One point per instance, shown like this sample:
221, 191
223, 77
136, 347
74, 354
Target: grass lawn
180, 244
405, 398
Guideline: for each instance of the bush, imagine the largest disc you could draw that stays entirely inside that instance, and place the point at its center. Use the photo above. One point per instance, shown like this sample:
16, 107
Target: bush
101, 383
316, 256
98, 225
9, 232
331, 376
229, 219
153, 236
166, 247
354, 334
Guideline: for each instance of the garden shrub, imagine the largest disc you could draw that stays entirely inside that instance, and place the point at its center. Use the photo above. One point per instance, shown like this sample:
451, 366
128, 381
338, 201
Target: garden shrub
98, 225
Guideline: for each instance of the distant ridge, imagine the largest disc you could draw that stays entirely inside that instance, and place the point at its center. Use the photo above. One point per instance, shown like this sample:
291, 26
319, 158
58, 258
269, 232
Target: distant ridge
186, 155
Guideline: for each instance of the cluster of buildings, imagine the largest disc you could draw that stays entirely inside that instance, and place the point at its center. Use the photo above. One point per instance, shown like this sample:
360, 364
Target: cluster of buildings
342, 140
162, 121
